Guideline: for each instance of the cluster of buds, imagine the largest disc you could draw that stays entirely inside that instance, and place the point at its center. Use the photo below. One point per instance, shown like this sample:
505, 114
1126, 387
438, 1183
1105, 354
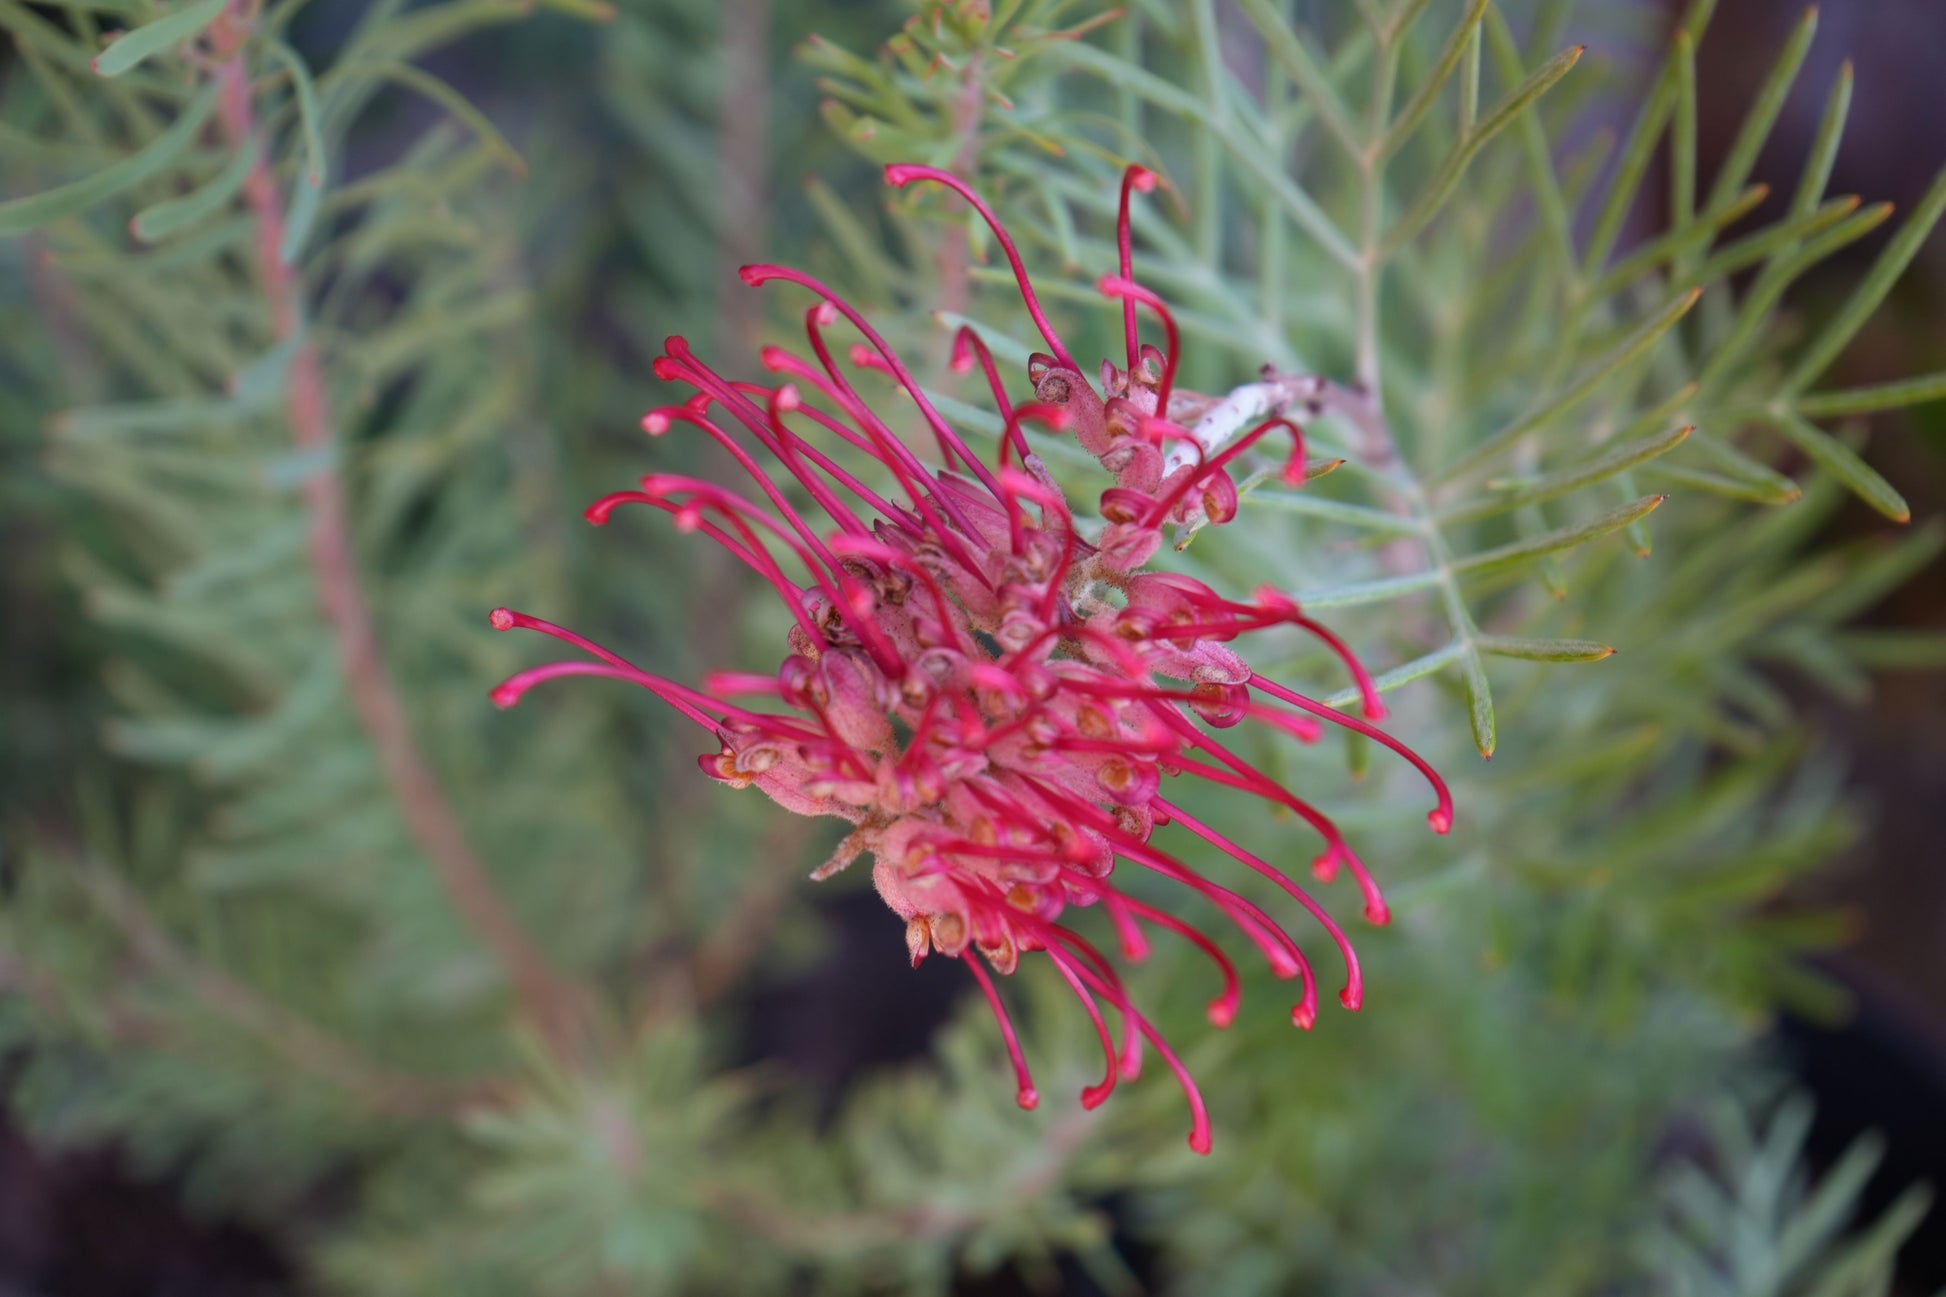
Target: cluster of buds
990, 692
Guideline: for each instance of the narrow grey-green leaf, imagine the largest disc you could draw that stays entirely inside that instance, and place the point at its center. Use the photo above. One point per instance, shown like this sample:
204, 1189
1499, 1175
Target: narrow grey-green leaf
1604, 367
1303, 208
1404, 674
1434, 81
1376, 591
1891, 263
1338, 511
1310, 79
1479, 703
1554, 485
1447, 177
1753, 313
162, 219
1881, 396
468, 113
1679, 242
18, 215
1784, 491
303, 214
1559, 539
262, 380
1895, 650
1843, 463
153, 38
1784, 236
308, 114
1824, 145
1625, 183
1544, 650
1764, 107
1556, 213
101, 422
1771, 486
1682, 136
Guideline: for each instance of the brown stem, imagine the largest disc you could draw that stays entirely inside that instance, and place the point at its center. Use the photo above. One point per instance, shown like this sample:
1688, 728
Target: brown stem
547, 999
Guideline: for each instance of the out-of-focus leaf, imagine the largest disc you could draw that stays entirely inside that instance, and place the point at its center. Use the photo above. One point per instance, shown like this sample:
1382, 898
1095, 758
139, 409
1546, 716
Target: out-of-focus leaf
1843, 463
165, 218
1544, 650
153, 38
1559, 539
18, 215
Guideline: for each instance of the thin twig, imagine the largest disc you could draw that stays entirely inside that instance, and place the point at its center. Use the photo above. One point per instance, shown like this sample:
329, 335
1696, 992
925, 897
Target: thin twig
548, 1000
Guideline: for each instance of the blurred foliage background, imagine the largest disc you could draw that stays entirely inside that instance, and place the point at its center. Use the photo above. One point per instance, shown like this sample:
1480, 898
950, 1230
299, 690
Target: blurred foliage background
323, 320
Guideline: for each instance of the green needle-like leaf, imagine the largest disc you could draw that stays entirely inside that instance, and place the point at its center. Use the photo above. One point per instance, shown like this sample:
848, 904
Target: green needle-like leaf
1303, 208
309, 115
1625, 182
153, 38
1417, 669
165, 218
1305, 73
1376, 591
1447, 177
1428, 93
1763, 111
1843, 463
1881, 396
21, 214
1557, 484
1824, 145
1682, 135
464, 109
1600, 371
306, 192
1872, 289
1544, 650
1561, 538
1479, 703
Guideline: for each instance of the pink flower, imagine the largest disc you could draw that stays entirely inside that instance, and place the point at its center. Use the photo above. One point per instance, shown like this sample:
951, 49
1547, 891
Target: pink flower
993, 701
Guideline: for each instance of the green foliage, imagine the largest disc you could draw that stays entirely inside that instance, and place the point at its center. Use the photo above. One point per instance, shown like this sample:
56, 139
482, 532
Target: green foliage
317, 908
1755, 1226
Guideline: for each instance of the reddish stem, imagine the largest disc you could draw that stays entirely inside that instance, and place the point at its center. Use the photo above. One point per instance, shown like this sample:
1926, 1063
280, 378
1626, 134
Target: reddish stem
547, 999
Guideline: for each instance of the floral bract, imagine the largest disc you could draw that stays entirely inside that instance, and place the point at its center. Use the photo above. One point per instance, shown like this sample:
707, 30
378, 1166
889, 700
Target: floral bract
992, 694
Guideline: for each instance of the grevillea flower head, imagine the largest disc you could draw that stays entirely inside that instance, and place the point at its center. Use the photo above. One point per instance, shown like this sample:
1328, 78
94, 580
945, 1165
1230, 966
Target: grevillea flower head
993, 693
